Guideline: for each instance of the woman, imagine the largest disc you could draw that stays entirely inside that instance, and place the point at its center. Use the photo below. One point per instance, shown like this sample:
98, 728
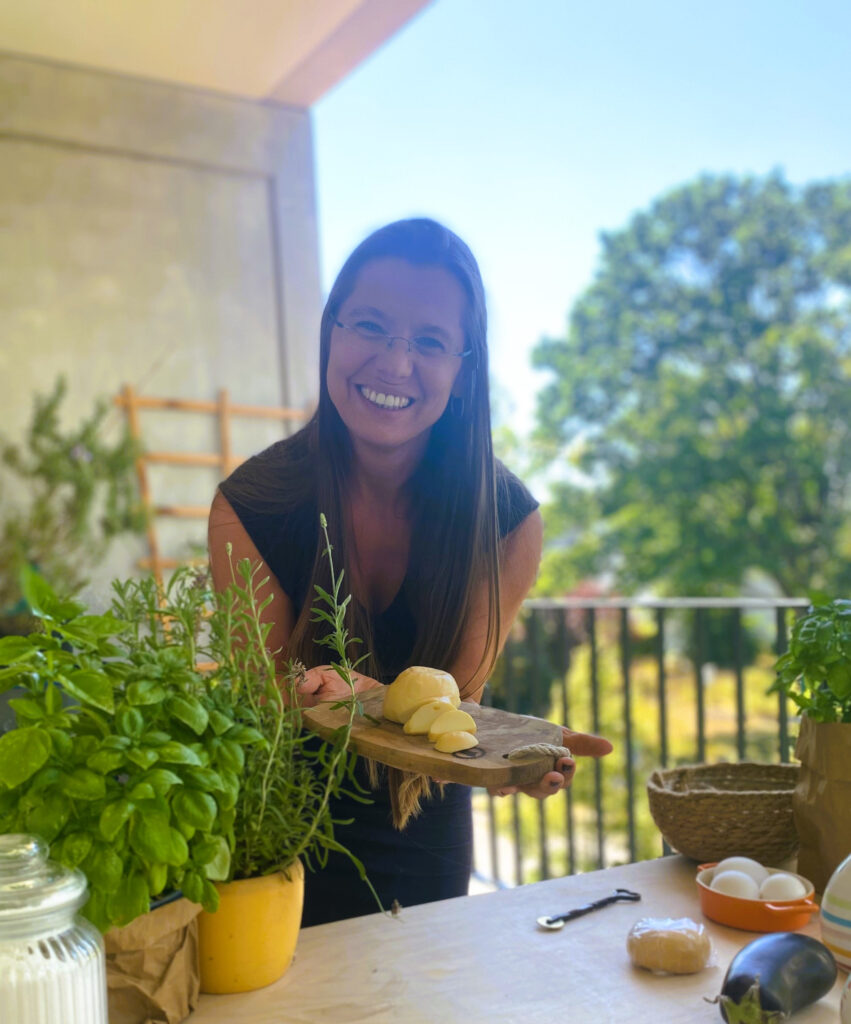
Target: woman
440, 543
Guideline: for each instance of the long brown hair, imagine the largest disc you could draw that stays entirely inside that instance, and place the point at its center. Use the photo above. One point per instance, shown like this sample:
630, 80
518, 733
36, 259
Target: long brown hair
452, 492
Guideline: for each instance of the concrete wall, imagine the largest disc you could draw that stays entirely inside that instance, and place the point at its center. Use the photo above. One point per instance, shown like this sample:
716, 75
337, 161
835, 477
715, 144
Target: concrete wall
161, 237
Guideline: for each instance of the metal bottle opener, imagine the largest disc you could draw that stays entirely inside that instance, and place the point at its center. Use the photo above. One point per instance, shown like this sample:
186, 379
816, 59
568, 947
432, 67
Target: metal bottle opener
554, 924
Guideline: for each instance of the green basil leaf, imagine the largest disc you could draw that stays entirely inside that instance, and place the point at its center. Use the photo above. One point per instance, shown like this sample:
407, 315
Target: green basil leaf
162, 780
157, 878
230, 789
47, 819
100, 626
213, 853
145, 692
156, 737
143, 757
83, 784
131, 899
230, 755
103, 868
193, 887
27, 709
105, 761
62, 743
90, 687
150, 837
113, 817
142, 791
185, 829
22, 753
16, 648
244, 735
179, 849
39, 595
190, 711
44, 778
210, 902
73, 849
158, 805
96, 909
116, 743
130, 721
203, 778
219, 722
178, 753
196, 808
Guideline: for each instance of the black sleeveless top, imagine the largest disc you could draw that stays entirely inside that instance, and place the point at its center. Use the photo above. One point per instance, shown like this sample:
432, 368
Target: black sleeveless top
288, 543
431, 859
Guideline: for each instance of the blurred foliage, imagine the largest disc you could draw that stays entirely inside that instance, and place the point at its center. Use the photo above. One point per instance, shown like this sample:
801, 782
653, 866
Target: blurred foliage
79, 491
566, 682
699, 411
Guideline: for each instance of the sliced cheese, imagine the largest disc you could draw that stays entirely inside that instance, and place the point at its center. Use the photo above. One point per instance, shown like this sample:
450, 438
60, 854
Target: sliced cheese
420, 720
413, 687
451, 721
450, 742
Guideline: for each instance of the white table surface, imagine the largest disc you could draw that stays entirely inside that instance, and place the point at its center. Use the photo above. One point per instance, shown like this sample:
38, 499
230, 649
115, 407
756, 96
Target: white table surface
482, 960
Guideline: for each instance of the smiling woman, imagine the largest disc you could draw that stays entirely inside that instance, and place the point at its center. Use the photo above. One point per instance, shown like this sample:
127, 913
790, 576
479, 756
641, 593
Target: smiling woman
396, 354
439, 541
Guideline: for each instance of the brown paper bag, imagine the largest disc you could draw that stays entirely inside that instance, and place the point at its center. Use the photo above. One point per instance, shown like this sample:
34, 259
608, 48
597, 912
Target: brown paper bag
152, 974
822, 800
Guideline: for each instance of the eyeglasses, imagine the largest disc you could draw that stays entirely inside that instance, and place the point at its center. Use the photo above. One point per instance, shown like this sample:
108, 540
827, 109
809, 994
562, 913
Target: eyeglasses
425, 345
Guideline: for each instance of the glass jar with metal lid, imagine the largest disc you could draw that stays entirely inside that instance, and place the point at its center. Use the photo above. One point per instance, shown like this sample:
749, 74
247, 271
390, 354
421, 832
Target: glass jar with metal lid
51, 961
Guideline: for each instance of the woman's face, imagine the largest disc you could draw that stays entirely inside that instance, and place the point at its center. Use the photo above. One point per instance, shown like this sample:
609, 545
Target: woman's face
390, 397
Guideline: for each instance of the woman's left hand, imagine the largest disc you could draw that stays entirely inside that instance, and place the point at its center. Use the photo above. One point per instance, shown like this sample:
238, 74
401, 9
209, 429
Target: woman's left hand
582, 744
325, 684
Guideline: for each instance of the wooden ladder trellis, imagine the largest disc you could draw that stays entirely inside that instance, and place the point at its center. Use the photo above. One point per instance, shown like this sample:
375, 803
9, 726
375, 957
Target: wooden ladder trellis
224, 460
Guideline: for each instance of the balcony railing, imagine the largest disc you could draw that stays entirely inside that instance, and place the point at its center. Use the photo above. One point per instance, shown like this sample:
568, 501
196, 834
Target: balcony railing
668, 681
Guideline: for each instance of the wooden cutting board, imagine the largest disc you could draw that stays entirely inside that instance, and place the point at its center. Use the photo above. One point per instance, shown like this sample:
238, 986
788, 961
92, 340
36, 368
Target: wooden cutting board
499, 732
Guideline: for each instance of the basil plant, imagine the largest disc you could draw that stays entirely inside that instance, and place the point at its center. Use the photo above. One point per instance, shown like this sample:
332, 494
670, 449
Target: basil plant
127, 755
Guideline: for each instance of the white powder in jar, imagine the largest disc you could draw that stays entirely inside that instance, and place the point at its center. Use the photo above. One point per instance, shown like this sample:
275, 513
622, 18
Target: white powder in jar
57, 978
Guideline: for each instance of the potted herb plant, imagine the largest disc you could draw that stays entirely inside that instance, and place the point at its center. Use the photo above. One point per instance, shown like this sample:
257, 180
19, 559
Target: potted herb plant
81, 491
74, 491
816, 674
126, 760
283, 814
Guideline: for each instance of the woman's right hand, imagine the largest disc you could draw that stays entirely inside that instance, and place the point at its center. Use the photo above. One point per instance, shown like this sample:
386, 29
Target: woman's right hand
322, 683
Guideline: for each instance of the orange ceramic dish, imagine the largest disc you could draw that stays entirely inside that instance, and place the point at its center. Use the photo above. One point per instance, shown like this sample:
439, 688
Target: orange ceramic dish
755, 915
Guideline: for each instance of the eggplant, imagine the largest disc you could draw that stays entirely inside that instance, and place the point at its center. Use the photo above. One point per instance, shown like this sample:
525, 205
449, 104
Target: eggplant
775, 976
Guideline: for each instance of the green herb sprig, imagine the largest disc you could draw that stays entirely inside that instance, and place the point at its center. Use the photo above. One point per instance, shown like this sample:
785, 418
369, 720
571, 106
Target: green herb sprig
816, 670
288, 781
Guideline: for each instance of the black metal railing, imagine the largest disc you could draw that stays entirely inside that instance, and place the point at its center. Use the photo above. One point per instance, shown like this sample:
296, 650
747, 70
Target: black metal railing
668, 681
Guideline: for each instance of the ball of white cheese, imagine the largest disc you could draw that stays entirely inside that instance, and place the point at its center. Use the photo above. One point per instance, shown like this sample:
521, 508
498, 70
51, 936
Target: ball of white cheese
414, 687
736, 883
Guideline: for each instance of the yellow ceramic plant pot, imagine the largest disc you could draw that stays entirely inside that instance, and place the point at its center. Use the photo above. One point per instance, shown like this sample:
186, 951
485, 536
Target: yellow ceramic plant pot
250, 941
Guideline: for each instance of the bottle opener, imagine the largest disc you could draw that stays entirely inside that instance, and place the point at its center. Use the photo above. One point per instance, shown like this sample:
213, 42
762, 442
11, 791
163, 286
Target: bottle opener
558, 922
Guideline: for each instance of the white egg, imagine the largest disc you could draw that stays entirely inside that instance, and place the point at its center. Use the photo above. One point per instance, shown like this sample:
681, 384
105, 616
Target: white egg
750, 867
736, 883
781, 886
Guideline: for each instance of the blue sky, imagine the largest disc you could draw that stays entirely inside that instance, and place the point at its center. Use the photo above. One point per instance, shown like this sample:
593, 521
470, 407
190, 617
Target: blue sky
529, 128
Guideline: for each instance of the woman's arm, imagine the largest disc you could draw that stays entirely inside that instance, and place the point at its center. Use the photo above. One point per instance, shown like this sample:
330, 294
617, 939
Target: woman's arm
520, 555
225, 527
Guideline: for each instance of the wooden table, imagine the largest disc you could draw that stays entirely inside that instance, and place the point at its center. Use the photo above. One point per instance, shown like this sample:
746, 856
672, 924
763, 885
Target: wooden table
482, 960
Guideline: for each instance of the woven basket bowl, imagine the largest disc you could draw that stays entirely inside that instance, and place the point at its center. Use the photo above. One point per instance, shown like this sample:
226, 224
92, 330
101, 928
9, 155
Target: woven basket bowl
712, 811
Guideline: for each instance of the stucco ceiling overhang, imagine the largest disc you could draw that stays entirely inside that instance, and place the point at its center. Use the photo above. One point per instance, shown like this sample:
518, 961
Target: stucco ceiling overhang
288, 51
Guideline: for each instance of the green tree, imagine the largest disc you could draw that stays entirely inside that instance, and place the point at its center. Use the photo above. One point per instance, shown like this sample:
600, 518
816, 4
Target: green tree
700, 405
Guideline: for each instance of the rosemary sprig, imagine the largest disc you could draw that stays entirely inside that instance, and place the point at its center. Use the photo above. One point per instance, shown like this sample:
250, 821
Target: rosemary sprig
288, 779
